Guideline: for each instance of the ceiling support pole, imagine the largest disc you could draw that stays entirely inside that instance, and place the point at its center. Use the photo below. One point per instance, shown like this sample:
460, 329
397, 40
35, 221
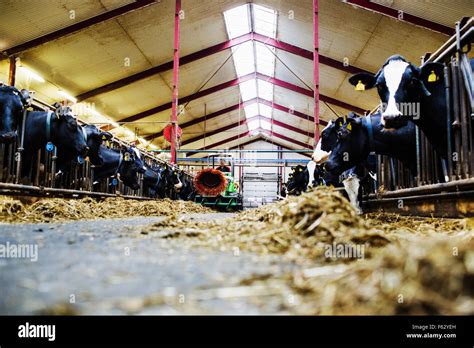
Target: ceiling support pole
174, 105
12, 71
316, 72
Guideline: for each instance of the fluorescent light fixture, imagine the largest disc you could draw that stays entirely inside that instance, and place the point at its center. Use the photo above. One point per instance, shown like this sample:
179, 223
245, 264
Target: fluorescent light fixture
32, 74
68, 96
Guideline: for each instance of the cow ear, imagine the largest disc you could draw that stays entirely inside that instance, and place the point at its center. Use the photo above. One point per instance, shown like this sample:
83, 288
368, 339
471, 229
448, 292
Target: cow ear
432, 72
339, 122
26, 96
105, 135
363, 81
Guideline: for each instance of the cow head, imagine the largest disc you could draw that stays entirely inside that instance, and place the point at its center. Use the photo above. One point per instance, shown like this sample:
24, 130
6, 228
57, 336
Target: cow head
12, 104
351, 146
298, 180
132, 165
67, 132
327, 141
94, 138
401, 87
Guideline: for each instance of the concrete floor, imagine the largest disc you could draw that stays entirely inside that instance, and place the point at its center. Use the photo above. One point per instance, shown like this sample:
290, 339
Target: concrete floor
109, 267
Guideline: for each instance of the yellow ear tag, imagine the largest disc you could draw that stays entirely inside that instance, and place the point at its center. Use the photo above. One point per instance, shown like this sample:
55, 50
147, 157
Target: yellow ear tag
349, 127
104, 137
432, 77
360, 86
126, 156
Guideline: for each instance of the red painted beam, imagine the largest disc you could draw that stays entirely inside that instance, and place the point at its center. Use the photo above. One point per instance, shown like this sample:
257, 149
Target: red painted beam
206, 117
216, 131
236, 107
138, 4
235, 82
283, 137
245, 121
405, 17
333, 63
316, 70
216, 49
187, 99
273, 142
308, 93
174, 101
165, 67
222, 142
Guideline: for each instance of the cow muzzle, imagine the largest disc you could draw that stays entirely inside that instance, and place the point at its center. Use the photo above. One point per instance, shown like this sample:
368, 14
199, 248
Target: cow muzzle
7, 137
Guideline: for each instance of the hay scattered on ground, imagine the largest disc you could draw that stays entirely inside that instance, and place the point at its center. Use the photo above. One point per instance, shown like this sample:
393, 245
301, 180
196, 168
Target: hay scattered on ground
59, 209
389, 264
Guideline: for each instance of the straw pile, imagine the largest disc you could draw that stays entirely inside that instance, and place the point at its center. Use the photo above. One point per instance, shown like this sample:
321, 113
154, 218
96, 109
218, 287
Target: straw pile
408, 265
59, 209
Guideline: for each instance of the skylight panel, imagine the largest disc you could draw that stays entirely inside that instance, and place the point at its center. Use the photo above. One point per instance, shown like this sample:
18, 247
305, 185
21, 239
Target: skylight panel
237, 21
244, 60
265, 110
265, 90
251, 110
265, 20
248, 90
264, 124
253, 125
265, 59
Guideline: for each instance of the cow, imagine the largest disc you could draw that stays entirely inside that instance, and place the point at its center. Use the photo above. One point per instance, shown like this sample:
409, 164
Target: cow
57, 128
297, 180
409, 93
186, 192
125, 164
93, 137
12, 104
359, 136
163, 181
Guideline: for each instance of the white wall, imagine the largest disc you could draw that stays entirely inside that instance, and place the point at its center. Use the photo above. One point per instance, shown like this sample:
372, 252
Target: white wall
260, 185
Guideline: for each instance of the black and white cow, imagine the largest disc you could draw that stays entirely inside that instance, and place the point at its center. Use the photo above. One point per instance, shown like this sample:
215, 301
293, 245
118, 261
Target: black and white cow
12, 104
163, 181
359, 136
93, 137
58, 128
125, 164
411, 93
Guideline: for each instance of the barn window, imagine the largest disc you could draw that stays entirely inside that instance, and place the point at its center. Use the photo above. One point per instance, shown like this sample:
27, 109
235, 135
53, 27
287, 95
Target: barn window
251, 57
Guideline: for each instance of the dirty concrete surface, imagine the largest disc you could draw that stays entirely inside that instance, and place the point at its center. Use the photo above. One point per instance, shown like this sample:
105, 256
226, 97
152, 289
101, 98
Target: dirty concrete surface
110, 267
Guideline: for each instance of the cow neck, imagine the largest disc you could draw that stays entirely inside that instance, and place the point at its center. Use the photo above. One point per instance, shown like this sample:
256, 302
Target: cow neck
370, 132
49, 114
84, 133
117, 171
158, 178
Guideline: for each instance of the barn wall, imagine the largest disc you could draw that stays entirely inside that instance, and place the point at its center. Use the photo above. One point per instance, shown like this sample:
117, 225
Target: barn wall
261, 184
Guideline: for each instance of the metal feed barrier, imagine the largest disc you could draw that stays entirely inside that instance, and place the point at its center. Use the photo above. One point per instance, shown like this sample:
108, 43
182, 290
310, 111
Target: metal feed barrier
442, 187
43, 179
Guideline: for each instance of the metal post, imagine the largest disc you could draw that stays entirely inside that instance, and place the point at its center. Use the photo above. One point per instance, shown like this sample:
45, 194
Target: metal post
174, 105
12, 71
316, 72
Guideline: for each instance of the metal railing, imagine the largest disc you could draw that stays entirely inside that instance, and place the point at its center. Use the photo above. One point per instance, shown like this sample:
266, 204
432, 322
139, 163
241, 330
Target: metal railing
43, 178
433, 170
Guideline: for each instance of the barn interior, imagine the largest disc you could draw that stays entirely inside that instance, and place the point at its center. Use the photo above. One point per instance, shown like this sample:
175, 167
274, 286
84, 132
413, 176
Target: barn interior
195, 86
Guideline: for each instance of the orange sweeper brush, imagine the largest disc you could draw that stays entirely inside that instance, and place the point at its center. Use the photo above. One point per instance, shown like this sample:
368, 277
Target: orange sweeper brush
210, 182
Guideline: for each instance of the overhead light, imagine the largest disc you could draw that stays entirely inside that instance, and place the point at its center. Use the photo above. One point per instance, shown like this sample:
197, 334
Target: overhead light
32, 74
68, 96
